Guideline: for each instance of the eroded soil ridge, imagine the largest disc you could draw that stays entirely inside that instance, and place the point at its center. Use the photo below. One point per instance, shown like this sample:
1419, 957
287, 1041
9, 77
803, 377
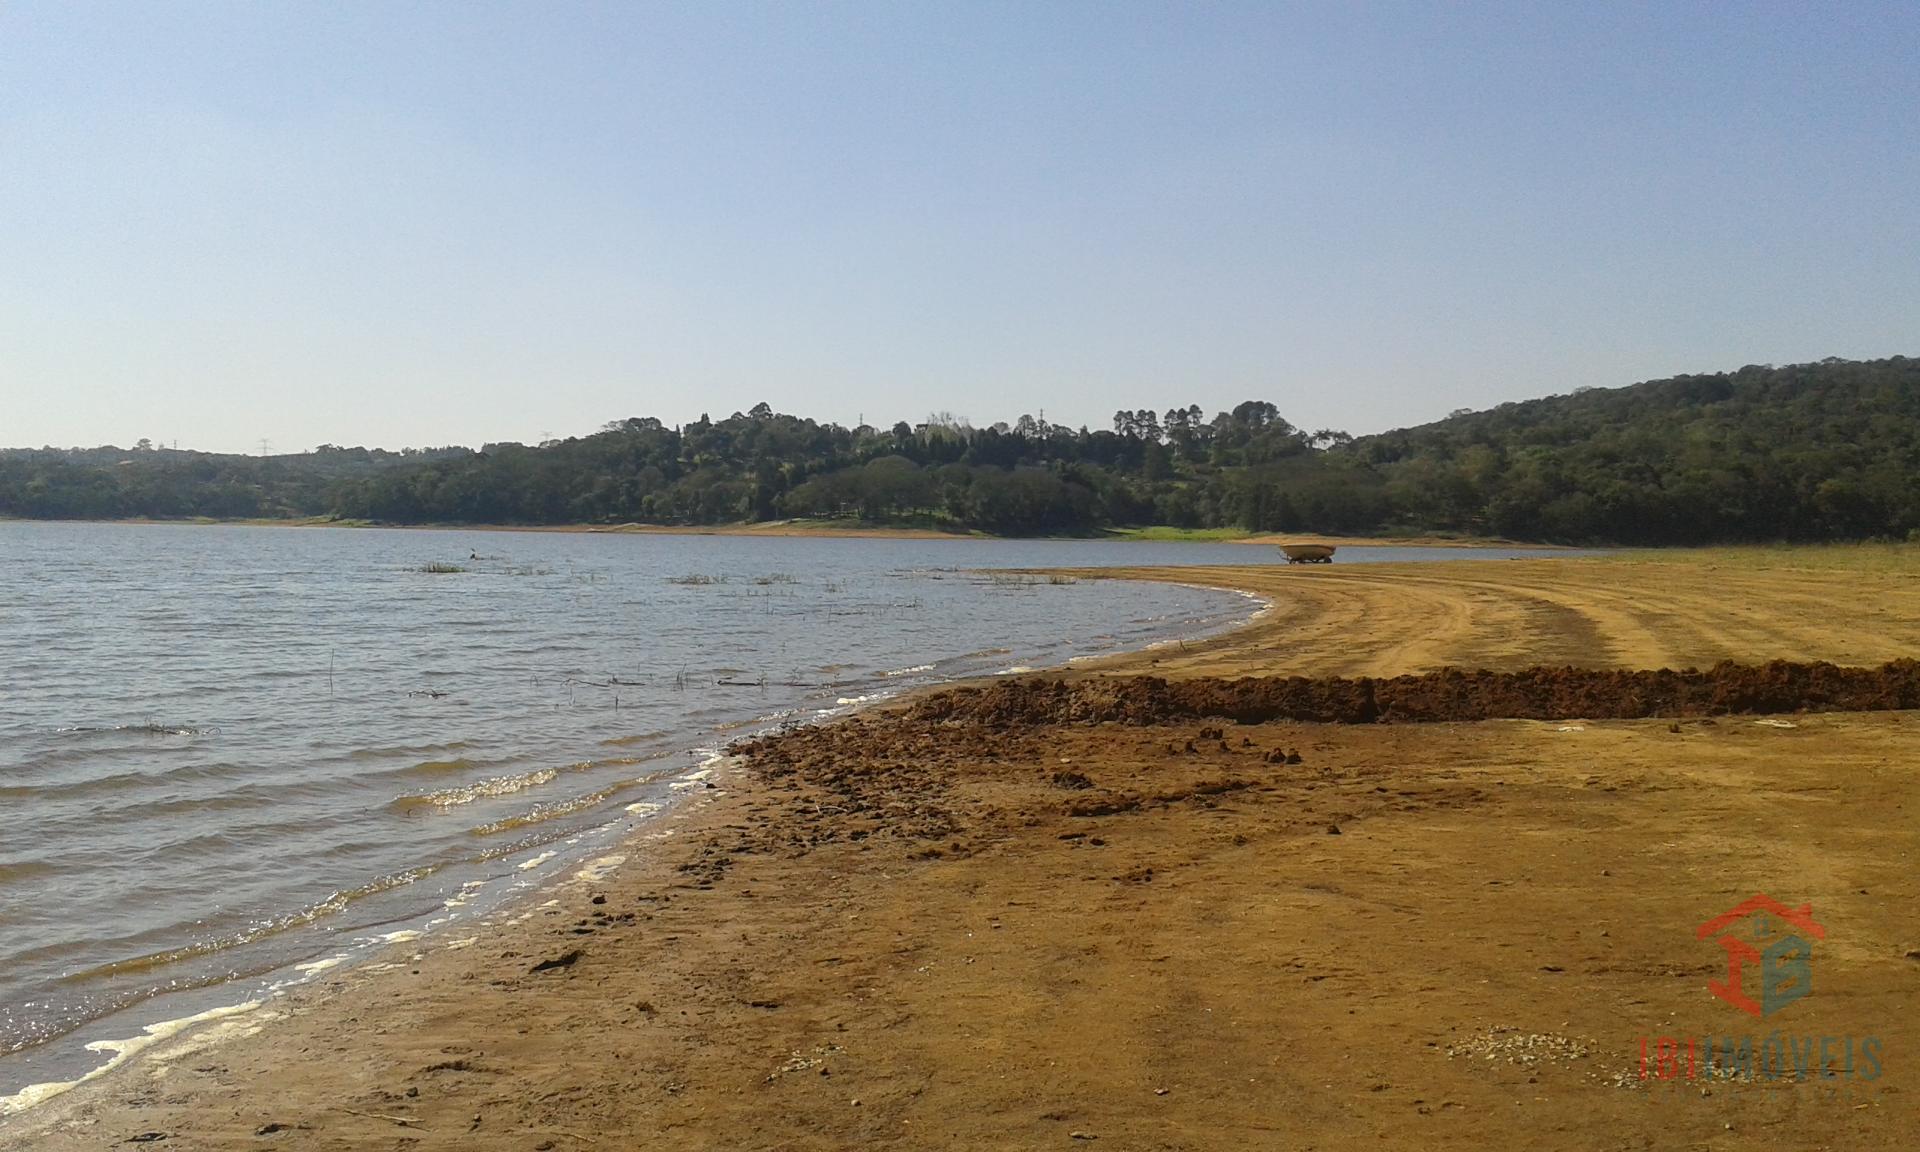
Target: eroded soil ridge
1450, 694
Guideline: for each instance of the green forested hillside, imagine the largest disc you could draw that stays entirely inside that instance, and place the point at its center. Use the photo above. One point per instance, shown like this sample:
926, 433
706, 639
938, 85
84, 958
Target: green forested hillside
1820, 451
144, 481
1826, 451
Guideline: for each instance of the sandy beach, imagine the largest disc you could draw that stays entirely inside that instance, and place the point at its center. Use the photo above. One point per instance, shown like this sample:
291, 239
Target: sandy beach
969, 920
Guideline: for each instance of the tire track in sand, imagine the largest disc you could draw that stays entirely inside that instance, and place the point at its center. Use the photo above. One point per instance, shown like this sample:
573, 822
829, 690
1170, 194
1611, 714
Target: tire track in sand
1390, 619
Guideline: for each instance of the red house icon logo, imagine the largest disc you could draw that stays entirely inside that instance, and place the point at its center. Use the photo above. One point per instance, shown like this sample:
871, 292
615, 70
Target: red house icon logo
1778, 937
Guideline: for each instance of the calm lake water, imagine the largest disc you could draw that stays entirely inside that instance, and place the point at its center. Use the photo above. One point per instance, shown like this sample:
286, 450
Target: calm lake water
228, 752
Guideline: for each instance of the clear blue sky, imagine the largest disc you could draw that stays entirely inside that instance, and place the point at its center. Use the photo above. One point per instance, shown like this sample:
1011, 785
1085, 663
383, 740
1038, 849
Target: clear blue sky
388, 224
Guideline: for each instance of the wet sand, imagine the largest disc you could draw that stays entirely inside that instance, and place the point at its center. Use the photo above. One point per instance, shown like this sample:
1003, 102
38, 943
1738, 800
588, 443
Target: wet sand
929, 928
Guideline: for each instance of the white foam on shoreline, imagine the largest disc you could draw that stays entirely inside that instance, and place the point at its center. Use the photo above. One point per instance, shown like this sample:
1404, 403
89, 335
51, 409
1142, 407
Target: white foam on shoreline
462, 898
699, 776
122, 1051
304, 973
600, 869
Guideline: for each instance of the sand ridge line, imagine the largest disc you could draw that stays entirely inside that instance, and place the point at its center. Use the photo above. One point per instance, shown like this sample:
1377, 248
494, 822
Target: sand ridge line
1450, 695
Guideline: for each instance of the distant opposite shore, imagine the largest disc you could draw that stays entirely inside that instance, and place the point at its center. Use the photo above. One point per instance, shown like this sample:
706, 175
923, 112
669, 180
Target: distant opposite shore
1804, 453
854, 529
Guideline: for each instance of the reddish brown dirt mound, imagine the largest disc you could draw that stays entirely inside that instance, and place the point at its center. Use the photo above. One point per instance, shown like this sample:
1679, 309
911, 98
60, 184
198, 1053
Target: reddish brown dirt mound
1451, 694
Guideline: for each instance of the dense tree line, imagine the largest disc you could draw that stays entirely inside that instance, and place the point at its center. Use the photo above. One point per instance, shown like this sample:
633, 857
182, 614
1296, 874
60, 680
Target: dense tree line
1824, 451
1803, 452
1025, 478
163, 483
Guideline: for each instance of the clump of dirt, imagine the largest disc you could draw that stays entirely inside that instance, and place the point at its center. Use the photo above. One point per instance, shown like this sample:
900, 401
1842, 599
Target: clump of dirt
1450, 694
890, 782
